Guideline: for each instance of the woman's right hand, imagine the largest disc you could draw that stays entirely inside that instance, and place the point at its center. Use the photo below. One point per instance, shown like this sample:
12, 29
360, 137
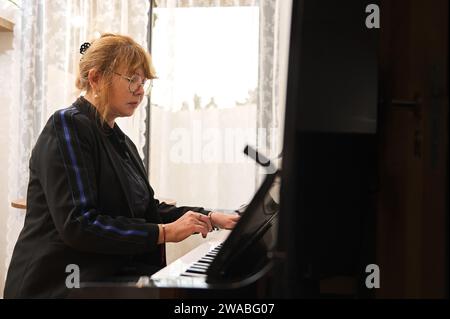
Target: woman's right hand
188, 224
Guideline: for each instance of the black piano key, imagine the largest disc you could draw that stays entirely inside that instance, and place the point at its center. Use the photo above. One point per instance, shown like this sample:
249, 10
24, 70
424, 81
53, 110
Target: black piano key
195, 271
204, 261
192, 275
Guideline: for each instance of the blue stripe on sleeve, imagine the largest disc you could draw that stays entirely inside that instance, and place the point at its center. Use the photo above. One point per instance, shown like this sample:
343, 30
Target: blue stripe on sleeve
73, 158
120, 231
115, 229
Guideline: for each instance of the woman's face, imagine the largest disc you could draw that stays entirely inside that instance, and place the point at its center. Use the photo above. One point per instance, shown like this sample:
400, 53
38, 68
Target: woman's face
122, 101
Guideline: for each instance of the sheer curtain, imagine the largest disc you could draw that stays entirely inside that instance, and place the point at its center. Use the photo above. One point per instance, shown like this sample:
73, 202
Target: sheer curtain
47, 37
222, 67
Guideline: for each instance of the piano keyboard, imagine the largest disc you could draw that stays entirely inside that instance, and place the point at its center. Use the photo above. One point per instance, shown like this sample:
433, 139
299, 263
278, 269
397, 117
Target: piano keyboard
190, 269
200, 267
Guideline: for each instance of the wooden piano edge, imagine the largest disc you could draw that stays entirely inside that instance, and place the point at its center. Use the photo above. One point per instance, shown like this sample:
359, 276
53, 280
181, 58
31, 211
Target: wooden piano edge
251, 287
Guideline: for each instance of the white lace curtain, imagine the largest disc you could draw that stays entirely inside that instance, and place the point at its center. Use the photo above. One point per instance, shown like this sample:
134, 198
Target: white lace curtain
207, 105
47, 37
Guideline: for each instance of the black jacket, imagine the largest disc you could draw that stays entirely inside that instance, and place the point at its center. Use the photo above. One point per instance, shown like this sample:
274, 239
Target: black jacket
78, 209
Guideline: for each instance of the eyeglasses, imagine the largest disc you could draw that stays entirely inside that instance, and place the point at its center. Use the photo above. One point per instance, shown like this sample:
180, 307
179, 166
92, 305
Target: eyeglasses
136, 82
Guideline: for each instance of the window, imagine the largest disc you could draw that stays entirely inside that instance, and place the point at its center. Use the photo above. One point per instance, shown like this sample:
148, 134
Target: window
206, 56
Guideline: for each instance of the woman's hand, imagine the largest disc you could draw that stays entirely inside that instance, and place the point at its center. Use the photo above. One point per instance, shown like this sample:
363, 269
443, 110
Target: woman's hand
221, 220
188, 224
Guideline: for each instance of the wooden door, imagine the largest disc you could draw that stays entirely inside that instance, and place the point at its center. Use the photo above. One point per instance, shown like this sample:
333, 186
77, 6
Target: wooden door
412, 231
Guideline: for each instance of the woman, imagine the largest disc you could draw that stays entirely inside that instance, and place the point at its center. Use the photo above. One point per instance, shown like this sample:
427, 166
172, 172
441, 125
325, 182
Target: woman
89, 202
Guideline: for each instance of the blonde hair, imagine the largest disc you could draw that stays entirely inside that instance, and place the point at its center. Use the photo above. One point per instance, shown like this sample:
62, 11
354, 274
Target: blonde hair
106, 55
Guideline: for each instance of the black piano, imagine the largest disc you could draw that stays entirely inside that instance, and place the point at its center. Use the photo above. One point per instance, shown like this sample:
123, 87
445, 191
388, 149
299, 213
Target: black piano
235, 265
324, 236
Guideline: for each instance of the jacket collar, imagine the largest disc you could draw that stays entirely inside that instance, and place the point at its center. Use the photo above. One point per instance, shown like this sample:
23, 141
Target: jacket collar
86, 108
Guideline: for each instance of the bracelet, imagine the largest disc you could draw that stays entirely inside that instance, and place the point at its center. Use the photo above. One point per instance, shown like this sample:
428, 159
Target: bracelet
164, 232
210, 218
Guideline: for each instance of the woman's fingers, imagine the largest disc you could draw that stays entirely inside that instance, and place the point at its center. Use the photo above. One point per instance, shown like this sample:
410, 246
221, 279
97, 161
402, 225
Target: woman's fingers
200, 222
198, 228
232, 221
203, 224
203, 219
235, 218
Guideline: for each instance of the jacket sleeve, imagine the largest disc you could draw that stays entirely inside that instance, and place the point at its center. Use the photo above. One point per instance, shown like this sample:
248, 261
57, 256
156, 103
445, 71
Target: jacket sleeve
170, 213
66, 163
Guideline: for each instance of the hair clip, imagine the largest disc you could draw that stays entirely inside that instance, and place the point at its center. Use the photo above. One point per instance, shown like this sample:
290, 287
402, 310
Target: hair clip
84, 47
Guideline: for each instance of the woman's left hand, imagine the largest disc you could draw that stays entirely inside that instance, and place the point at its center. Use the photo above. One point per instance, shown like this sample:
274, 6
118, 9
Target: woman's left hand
221, 220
